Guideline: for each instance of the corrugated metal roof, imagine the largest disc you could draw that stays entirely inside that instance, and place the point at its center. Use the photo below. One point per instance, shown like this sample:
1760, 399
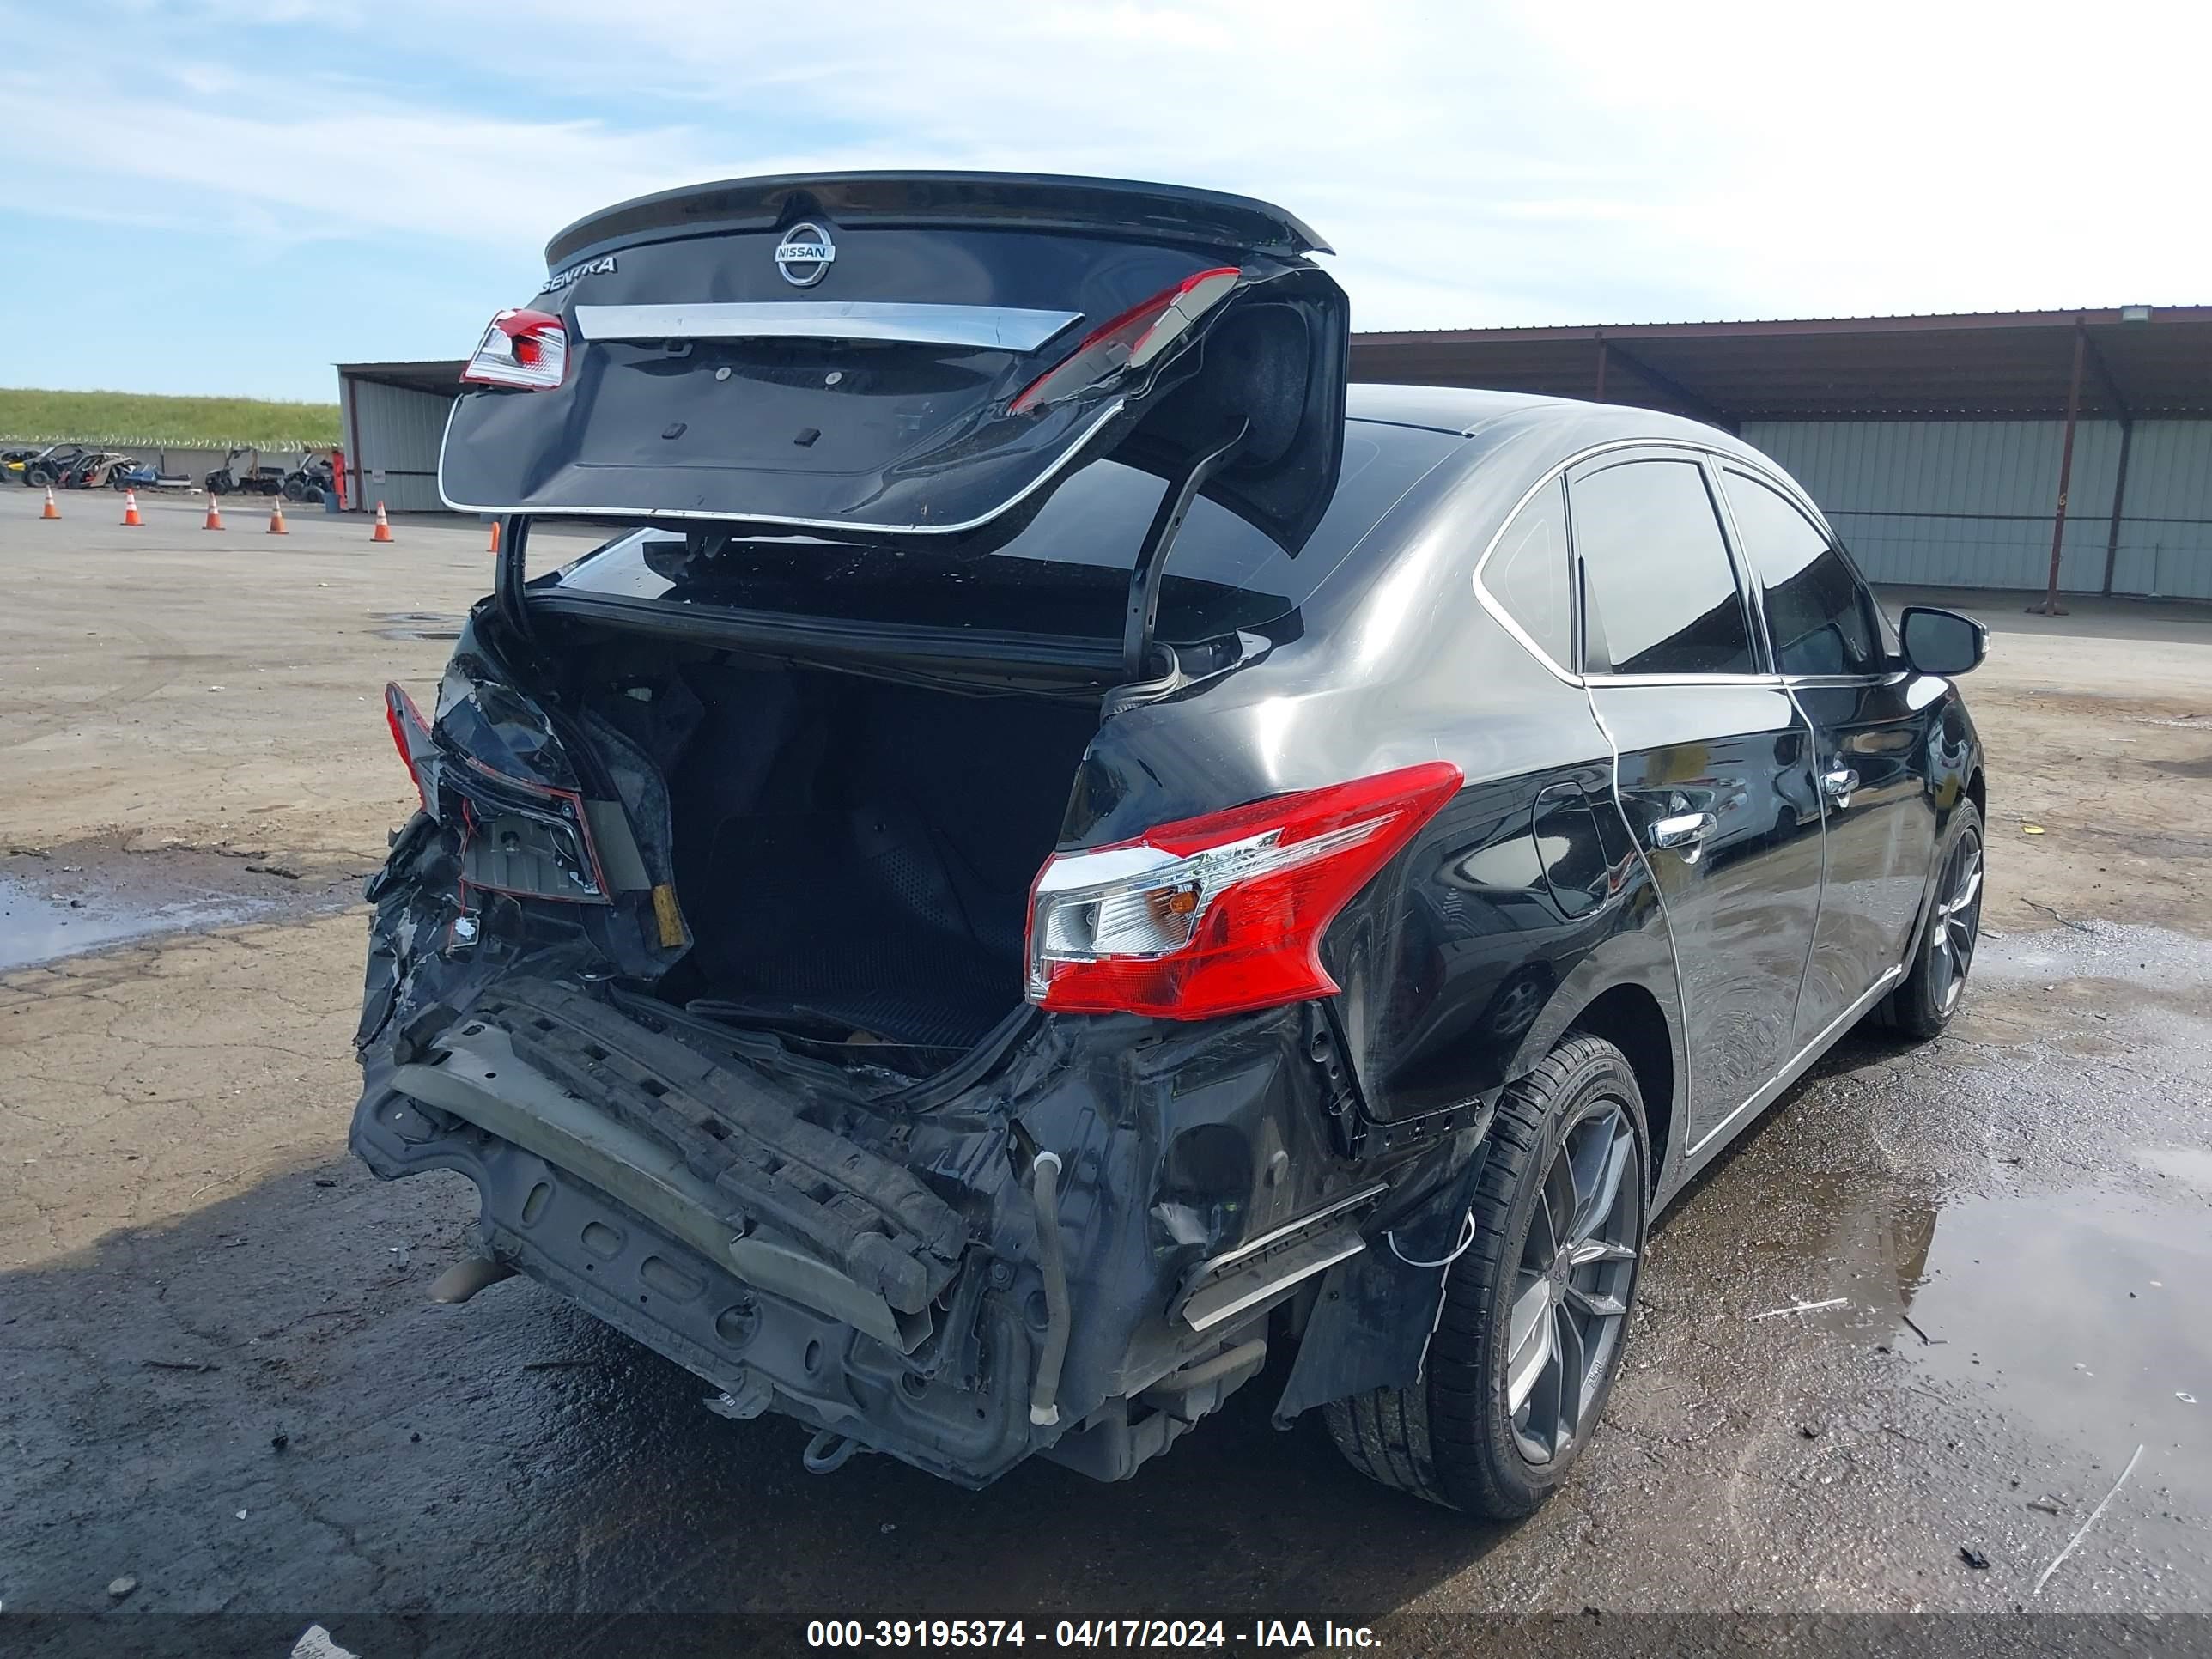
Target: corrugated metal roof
444, 379
2139, 362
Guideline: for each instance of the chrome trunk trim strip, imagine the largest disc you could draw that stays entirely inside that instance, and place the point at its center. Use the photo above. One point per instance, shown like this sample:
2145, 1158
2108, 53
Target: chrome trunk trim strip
986, 328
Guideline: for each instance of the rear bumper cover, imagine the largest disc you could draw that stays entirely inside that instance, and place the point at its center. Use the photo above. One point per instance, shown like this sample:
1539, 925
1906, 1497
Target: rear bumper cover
830, 1241
956, 1408
1180, 1152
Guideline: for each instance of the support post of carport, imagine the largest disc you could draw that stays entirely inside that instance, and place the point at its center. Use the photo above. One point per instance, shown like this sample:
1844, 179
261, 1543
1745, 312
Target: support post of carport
2119, 502
2050, 607
1598, 397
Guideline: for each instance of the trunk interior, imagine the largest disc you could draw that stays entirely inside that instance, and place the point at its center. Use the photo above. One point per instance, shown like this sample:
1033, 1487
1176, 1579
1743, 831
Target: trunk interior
855, 856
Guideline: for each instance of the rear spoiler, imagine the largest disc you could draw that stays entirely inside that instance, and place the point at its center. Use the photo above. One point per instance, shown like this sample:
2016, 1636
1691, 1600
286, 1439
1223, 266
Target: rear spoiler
1035, 201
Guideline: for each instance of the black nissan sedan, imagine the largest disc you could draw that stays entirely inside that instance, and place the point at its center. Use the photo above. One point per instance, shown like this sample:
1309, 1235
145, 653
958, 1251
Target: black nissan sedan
1067, 859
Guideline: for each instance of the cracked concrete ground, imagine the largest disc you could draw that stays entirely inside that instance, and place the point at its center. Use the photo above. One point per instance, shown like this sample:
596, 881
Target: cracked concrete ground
219, 1374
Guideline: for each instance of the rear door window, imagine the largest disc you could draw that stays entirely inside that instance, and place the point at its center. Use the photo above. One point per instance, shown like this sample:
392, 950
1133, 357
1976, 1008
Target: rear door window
1819, 618
1659, 590
1526, 574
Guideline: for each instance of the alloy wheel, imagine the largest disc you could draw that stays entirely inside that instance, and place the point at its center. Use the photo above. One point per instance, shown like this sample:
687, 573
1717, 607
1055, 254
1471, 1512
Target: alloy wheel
1571, 1289
1956, 925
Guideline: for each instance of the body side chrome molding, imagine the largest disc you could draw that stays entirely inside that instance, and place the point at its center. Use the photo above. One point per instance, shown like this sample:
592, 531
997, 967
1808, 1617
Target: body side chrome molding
988, 328
1805, 1057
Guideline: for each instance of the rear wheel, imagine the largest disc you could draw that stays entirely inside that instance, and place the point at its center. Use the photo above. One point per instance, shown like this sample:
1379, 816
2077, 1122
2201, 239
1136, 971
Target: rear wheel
1536, 1307
1924, 1005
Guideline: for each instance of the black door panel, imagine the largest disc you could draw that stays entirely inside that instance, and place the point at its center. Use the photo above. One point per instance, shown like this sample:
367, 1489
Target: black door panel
1724, 772
1874, 761
1870, 740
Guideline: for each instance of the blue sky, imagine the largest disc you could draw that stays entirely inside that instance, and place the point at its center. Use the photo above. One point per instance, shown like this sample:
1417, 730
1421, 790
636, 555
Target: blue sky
226, 197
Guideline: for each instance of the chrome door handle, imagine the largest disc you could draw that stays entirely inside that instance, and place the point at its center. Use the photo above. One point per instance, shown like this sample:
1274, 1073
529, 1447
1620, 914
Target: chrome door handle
1838, 785
1684, 833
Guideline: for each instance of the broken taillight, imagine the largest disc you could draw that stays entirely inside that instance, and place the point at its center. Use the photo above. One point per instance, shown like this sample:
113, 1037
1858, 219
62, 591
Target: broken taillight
1221, 914
516, 835
410, 735
1130, 340
527, 349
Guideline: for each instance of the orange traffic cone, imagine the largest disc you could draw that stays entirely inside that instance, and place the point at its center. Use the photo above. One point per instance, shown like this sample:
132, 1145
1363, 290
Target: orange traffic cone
131, 507
494, 535
383, 531
52, 511
276, 521
214, 513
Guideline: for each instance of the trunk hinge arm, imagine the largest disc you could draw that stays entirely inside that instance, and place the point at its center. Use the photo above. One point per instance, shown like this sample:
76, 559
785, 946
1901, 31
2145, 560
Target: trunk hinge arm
508, 572
1153, 556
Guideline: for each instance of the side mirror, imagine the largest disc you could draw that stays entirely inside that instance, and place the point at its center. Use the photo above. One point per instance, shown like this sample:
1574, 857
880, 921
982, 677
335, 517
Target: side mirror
1942, 642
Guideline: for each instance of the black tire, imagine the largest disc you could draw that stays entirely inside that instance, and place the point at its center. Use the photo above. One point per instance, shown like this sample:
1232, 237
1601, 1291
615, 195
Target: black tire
38, 477
1943, 954
1453, 1438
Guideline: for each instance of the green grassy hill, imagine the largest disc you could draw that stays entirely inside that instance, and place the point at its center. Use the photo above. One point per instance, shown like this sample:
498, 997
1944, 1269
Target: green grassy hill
134, 418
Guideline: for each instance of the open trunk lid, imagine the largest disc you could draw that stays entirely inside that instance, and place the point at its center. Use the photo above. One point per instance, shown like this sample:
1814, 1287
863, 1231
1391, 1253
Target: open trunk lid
926, 354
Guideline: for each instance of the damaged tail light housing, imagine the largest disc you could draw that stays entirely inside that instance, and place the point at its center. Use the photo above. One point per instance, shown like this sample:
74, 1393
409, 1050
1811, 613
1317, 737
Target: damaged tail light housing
1222, 914
1130, 340
525, 350
524, 838
518, 835
410, 735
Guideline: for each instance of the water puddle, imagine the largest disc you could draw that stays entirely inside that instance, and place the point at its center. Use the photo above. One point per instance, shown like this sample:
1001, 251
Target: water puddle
93, 894
36, 927
2085, 1317
2095, 950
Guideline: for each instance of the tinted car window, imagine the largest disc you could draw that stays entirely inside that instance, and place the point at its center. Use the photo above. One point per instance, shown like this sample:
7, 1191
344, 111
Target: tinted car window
1066, 573
1526, 574
1818, 616
1659, 593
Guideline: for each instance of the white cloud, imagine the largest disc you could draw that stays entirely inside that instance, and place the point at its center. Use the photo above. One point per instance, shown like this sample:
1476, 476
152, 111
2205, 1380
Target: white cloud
1474, 163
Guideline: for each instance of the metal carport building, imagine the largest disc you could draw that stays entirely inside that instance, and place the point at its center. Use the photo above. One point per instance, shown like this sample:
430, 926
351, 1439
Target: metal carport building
1936, 444
393, 417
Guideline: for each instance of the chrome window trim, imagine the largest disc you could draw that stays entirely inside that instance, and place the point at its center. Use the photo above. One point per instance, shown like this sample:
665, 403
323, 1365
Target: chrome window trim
1804, 503
1788, 491
988, 328
1496, 606
843, 527
1702, 453
1887, 676
1768, 681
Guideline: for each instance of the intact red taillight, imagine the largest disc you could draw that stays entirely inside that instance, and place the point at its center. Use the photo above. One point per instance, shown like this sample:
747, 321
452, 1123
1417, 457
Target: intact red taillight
1130, 340
410, 735
524, 348
1221, 914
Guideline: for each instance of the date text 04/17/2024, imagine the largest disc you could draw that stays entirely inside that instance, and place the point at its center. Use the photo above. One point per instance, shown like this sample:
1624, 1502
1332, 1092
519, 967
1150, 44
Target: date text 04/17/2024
1163, 1633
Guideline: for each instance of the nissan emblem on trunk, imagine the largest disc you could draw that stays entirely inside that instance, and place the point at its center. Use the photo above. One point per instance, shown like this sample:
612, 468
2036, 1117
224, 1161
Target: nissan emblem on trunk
804, 255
